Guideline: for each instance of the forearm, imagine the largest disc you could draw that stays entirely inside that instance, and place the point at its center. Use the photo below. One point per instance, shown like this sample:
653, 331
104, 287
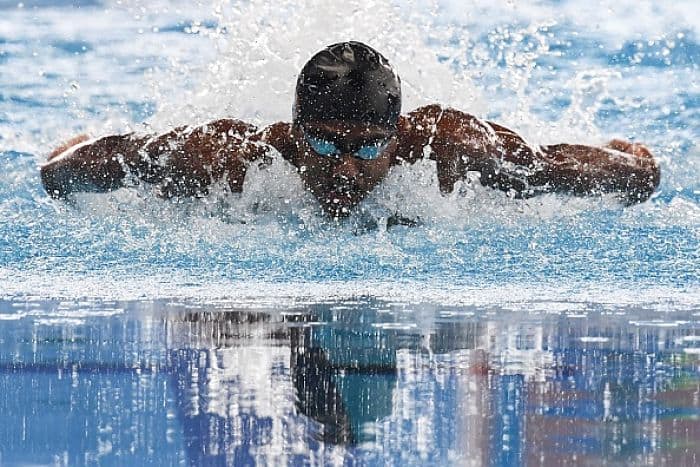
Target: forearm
586, 170
182, 162
92, 166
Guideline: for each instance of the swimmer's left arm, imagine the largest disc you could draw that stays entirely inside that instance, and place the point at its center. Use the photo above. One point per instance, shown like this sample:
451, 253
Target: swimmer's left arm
460, 143
628, 169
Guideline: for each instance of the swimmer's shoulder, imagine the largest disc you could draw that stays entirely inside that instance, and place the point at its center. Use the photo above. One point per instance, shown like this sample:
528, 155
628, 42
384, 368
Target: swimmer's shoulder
238, 135
278, 135
230, 127
425, 118
435, 125
415, 131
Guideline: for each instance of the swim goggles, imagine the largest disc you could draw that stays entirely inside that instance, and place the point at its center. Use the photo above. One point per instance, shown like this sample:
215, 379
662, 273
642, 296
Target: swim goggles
326, 148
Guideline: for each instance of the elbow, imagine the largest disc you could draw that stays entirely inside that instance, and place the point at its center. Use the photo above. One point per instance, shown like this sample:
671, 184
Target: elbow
54, 181
645, 183
654, 176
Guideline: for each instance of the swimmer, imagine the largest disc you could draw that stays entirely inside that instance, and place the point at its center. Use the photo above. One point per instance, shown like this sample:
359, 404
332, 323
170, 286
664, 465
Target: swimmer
347, 132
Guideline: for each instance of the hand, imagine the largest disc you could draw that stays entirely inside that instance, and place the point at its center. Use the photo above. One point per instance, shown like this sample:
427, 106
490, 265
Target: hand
67, 145
635, 149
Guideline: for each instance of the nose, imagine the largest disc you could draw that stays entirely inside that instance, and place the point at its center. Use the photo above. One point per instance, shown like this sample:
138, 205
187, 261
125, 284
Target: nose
347, 168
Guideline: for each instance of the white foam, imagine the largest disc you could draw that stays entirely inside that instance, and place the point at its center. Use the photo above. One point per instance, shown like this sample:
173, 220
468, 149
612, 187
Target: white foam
256, 293
266, 44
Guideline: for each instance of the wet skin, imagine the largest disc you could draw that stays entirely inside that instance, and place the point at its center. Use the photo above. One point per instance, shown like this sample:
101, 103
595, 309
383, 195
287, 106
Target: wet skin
340, 182
186, 161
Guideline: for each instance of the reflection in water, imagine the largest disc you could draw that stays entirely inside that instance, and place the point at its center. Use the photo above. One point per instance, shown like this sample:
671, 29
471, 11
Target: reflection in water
344, 375
354, 382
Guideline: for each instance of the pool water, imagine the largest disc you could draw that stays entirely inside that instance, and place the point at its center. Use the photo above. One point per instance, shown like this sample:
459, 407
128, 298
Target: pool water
346, 382
241, 329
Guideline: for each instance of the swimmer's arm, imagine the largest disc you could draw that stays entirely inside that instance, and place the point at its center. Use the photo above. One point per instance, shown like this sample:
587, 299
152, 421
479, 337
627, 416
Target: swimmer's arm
182, 162
628, 169
88, 165
461, 143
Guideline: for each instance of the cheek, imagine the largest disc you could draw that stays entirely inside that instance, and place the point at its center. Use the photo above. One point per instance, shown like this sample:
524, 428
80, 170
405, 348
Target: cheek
375, 174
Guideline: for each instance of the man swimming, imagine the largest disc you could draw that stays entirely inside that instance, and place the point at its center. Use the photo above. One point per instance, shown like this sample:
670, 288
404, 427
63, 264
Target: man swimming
346, 134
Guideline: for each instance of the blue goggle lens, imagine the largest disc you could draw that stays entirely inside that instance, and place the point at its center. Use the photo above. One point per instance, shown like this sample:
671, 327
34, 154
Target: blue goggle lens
322, 147
327, 148
370, 152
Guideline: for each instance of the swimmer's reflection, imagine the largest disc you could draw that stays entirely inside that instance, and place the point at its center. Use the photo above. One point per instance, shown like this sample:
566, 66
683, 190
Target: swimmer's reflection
343, 369
253, 384
344, 377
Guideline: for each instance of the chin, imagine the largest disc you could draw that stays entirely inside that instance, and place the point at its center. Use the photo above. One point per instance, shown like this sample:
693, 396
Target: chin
338, 210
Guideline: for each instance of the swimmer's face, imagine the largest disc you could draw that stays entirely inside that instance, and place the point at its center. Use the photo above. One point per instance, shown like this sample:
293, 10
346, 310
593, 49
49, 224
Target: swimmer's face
342, 162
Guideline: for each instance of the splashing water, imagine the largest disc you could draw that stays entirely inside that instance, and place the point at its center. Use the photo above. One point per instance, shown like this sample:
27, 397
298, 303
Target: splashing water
631, 72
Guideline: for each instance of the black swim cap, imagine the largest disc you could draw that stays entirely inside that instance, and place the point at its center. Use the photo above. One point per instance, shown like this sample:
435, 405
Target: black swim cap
348, 81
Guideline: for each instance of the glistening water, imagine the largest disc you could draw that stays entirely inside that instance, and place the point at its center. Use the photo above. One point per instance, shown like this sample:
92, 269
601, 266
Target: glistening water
248, 329
355, 382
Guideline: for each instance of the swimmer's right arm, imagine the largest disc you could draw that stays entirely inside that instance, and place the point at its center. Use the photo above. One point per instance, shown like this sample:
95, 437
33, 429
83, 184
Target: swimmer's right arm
87, 165
183, 162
